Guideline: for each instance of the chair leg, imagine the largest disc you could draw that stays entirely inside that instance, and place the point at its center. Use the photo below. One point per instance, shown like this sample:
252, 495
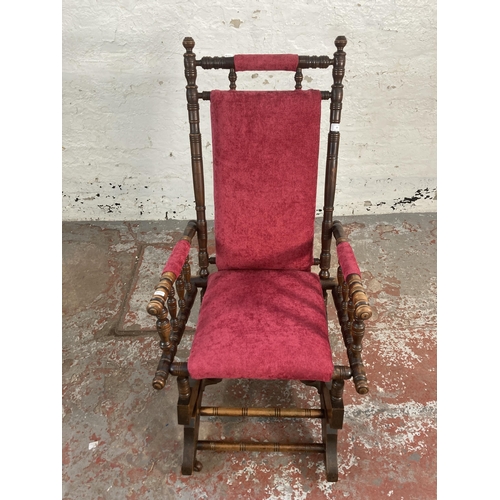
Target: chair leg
189, 415
330, 442
333, 405
189, 462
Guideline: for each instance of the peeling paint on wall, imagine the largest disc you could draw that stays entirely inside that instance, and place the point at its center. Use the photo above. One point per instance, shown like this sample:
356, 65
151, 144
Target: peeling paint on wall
124, 112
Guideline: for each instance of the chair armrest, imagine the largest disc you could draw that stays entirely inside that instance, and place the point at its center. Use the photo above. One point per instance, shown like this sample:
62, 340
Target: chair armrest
172, 270
351, 273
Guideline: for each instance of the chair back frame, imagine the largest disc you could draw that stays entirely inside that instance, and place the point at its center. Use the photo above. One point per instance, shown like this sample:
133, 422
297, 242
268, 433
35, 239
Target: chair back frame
335, 96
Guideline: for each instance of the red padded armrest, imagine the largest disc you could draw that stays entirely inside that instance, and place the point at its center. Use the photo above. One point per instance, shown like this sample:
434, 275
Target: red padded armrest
347, 260
177, 258
266, 62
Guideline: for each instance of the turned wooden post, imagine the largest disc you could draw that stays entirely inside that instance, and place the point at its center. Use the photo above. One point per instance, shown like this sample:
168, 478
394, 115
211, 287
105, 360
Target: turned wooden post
332, 155
359, 372
163, 328
298, 79
232, 79
196, 152
180, 288
186, 274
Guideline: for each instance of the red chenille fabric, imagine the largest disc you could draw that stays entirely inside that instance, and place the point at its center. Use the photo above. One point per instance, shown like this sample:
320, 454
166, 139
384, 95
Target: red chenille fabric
262, 325
265, 153
177, 257
347, 259
266, 62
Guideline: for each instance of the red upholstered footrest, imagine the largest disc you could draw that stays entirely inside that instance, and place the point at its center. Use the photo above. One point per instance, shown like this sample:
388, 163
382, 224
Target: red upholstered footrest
262, 325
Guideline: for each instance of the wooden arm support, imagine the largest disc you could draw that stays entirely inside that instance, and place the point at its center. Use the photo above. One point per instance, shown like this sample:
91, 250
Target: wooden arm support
177, 272
352, 307
168, 277
357, 295
362, 309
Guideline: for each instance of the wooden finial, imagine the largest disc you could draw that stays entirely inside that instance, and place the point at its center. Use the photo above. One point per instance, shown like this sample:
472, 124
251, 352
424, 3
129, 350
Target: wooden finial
188, 43
340, 42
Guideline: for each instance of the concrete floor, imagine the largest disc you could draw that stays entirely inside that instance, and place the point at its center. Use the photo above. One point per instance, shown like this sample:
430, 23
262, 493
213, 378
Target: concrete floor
120, 436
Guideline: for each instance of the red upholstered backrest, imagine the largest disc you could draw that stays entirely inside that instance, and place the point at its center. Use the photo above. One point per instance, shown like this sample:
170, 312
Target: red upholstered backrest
265, 152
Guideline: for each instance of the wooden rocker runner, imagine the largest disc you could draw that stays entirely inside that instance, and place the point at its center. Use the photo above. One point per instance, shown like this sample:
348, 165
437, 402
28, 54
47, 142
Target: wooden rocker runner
263, 313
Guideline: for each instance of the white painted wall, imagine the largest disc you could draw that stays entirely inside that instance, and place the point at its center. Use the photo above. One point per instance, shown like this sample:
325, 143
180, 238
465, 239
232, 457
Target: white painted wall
125, 132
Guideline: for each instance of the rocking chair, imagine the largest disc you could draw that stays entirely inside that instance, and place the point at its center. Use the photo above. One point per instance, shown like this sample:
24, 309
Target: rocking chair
263, 313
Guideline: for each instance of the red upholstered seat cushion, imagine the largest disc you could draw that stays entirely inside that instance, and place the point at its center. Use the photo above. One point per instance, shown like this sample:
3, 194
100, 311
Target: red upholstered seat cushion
265, 152
263, 325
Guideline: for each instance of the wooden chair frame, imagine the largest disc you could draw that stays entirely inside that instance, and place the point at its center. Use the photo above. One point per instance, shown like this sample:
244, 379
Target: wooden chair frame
174, 296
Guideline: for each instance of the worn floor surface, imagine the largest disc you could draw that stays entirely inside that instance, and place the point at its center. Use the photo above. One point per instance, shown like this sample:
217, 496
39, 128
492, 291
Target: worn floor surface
120, 437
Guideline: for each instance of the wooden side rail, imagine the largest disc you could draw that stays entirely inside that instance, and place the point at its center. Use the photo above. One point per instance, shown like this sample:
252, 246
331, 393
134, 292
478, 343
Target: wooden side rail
304, 62
171, 332
221, 411
268, 447
353, 309
205, 95
176, 277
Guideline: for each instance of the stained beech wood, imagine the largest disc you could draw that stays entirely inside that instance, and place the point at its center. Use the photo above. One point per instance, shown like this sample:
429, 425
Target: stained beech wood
232, 79
269, 447
332, 156
196, 152
298, 79
220, 411
173, 305
157, 301
169, 347
188, 416
217, 62
205, 95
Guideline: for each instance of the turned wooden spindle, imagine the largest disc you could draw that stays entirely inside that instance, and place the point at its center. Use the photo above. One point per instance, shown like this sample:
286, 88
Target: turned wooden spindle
174, 323
176, 329
344, 316
332, 155
160, 295
184, 389
196, 151
180, 287
163, 326
359, 372
298, 79
341, 372
179, 369
337, 391
203, 445
232, 79
358, 296
315, 61
186, 274
215, 62
221, 411
340, 280
161, 375
350, 314
352, 327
